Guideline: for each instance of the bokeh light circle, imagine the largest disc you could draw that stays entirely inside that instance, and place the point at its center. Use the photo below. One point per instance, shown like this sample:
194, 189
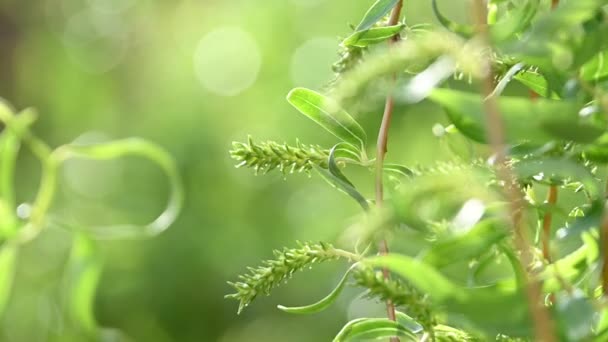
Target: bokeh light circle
227, 61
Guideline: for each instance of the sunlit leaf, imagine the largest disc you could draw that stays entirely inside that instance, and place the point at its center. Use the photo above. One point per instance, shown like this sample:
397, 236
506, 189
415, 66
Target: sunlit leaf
376, 12
328, 114
372, 36
373, 328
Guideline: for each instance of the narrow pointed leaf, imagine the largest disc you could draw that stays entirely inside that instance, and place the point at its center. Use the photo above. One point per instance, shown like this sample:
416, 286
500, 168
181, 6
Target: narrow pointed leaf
328, 114
337, 179
373, 328
463, 30
323, 303
372, 36
378, 10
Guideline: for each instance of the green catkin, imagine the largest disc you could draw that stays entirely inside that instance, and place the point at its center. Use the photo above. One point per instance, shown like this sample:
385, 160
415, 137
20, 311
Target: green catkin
267, 156
399, 293
262, 279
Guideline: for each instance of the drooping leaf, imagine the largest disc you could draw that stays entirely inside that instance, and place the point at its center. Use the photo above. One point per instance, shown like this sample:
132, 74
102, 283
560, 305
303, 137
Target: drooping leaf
337, 179
321, 304
376, 12
372, 36
460, 29
328, 114
476, 241
400, 170
373, 328
535, 121
84, 270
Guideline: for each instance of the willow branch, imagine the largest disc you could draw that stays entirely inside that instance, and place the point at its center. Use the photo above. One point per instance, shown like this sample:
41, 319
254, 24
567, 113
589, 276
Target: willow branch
381, 153
543, 325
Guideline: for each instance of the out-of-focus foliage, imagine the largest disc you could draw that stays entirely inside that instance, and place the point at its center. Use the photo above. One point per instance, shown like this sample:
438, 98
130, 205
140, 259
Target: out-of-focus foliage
191, 76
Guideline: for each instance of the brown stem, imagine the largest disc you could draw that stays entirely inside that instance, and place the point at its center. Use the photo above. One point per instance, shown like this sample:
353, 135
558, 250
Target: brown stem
546, 240
554, 3
381, 153
543, 325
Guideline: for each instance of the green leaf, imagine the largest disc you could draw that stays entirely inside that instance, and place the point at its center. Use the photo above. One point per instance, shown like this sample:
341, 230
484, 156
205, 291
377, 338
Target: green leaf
8, 263
466, 246
596, 69
373, 328
463, 30
328, 114
400, 170
421, 275
140, 148
537, 83
337, 179
373, 35
84, 270
552, 35
518, 19
535, 121
323, 303
554, 171
378, 10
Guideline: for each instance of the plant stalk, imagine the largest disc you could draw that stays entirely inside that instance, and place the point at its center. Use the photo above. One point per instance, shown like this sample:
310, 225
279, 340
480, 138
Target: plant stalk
381, 153
547, 219
543, 325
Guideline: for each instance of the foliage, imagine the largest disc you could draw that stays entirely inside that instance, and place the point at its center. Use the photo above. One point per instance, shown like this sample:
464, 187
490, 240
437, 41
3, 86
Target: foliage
491, 265
22, 223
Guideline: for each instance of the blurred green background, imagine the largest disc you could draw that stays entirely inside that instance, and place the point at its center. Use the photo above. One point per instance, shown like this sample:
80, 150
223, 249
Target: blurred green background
192, 76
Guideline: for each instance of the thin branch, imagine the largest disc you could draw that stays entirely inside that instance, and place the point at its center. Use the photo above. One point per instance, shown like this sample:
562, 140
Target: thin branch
547, 219
543, 325
381, 153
